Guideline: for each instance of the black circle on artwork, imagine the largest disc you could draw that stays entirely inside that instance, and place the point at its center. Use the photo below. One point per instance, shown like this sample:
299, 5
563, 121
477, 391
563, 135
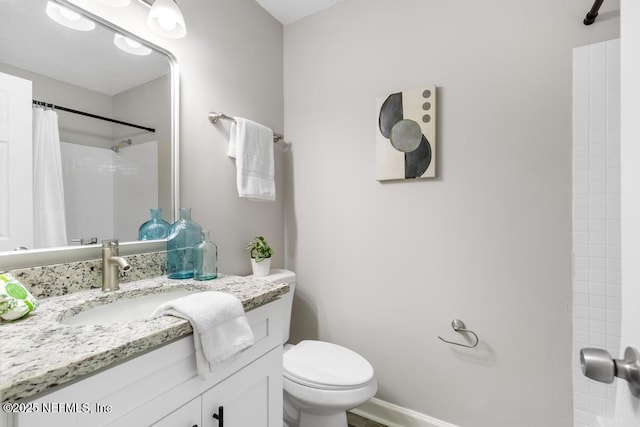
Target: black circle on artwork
406, 135
417, 162
426, 93
390, 114
426, 118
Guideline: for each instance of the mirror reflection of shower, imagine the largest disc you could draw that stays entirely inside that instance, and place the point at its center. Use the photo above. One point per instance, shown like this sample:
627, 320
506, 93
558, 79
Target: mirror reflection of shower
126, 182
121, 144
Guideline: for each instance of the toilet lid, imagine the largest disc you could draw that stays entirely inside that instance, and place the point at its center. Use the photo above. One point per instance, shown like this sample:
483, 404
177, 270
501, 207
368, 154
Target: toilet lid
324, 365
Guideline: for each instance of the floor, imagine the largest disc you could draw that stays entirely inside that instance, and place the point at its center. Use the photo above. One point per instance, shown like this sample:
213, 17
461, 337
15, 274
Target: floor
357, 421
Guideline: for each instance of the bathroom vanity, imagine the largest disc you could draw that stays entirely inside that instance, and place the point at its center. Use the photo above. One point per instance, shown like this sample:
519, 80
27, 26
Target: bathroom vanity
140, 372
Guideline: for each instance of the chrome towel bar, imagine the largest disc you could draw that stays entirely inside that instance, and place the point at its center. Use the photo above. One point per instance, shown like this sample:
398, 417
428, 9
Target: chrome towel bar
214, 117
459, 326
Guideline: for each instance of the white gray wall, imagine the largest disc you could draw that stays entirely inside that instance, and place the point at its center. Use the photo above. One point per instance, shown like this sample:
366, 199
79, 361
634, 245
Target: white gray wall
232, 61
149, 105
384, 268
73, 128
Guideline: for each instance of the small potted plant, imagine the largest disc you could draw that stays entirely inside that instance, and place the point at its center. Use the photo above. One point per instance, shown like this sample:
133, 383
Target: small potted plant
260, 253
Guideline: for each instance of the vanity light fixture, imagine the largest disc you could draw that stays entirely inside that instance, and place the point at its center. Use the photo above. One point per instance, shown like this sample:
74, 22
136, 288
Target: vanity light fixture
130, 46
69, 18
116, 3
165, 18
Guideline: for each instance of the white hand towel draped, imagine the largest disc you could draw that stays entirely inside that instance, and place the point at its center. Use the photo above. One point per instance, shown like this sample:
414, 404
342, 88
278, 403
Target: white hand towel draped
251, 144
49, 222
221, 330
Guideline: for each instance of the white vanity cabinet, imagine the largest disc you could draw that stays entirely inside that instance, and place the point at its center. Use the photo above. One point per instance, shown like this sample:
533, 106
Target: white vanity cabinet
161, 388
245, 397
188, 415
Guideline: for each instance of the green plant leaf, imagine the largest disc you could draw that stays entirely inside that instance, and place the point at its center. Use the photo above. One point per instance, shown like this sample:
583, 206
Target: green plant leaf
259, 249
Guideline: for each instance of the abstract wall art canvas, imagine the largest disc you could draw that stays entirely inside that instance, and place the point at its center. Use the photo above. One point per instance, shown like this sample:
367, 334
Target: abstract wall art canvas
406, 135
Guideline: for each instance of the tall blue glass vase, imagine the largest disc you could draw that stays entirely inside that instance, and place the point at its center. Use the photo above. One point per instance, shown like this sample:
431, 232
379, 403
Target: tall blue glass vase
183, 235
155, 228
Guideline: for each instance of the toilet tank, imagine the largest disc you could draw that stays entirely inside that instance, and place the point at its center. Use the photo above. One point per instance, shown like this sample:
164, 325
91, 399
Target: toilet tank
288, 277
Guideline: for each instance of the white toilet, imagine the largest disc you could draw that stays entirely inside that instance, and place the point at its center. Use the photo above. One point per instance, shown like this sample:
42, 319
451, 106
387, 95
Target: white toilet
321, 380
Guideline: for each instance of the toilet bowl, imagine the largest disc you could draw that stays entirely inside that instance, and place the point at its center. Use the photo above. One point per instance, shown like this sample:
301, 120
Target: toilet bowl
321, 380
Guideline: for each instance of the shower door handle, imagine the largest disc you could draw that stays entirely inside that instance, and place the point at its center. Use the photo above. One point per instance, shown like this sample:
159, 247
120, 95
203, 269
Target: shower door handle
598, 365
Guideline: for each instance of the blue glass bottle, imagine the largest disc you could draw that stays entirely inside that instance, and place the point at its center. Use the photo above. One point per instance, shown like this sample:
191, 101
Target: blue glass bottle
183, 236
155, 228
206, 259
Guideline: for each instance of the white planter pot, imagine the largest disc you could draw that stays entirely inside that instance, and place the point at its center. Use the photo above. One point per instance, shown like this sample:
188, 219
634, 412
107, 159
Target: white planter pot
261, 268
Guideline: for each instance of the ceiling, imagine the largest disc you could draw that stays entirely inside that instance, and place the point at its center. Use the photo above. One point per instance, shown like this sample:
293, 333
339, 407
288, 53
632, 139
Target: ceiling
34, 42
288, 11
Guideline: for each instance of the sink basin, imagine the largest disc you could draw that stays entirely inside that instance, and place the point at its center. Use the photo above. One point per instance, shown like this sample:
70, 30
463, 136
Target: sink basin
124, 310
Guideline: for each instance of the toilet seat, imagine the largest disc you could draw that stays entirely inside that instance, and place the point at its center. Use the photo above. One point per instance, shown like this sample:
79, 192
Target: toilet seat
326, 366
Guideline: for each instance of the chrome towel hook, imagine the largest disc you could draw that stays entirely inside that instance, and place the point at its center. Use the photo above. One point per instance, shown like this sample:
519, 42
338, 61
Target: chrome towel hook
459, 326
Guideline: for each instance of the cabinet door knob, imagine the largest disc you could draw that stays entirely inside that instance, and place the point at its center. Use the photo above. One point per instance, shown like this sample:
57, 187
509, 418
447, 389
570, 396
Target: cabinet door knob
219, 416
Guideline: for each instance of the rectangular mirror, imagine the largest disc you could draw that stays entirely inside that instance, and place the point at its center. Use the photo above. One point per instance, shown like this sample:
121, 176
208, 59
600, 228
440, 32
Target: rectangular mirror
115, 97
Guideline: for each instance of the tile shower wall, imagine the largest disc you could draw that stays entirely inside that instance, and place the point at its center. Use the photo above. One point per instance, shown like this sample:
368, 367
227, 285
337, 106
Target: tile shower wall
596, 221
99, 175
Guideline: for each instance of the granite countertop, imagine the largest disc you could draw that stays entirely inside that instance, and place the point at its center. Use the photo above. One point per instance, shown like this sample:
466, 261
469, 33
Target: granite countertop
38, 352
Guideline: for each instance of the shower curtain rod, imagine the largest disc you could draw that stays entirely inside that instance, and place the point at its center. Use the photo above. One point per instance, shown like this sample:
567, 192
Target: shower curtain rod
94, 116
593, 13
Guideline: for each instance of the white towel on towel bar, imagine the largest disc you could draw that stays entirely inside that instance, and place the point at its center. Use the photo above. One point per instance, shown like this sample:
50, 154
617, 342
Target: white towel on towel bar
251, 144
221, 330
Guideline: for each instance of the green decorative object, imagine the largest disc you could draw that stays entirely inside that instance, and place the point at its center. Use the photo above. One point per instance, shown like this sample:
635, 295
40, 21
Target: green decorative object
260, 256
259, 249
15, 300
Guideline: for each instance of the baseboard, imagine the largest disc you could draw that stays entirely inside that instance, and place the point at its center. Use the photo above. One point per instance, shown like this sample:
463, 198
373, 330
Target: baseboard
396, 416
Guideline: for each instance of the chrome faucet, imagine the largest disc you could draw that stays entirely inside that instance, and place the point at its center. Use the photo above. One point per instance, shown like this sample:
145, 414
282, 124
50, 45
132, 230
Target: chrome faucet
110, 263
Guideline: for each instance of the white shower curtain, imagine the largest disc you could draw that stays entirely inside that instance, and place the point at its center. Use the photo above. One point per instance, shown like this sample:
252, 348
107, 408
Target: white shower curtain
49, 228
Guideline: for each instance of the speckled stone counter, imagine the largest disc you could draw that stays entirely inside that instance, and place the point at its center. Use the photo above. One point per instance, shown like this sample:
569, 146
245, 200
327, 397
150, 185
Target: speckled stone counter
38, 352
61, 279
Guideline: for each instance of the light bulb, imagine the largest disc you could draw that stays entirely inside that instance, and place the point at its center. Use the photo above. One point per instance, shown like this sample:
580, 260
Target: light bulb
69, 18
166, 22
69, 14
131, 46
165, 18
134, 44
116, 3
